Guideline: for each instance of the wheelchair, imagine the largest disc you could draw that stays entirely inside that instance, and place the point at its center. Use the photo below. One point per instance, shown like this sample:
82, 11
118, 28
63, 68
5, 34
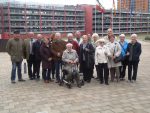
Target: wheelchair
73, 73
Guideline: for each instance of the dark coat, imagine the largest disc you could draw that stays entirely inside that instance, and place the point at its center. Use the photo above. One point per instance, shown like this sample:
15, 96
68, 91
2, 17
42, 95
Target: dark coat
45, 54
36, 50
89, 56
136, 51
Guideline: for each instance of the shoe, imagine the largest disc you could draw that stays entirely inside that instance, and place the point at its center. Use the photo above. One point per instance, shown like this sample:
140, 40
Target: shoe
130, 81
13, 82
79, 86
88, 81
47, 81
101, 82
106, 84
31, 78
51, 80
21, 80
56, 81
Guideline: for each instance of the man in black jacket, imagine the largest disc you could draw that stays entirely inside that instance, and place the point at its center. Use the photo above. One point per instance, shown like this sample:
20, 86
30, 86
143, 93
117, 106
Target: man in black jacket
133, 52
36, 51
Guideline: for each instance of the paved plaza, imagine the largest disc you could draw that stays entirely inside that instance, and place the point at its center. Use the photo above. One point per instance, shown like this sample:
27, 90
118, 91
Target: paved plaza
38, 97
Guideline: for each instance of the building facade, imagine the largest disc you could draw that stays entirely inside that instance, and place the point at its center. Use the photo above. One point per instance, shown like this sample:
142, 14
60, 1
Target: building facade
123, 22
41, 18
138, 5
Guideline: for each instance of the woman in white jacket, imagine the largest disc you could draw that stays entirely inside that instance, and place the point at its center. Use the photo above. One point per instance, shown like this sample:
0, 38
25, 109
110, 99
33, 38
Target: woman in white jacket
101, 59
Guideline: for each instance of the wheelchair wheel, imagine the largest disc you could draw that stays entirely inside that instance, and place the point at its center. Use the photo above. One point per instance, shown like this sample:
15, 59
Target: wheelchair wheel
69, 85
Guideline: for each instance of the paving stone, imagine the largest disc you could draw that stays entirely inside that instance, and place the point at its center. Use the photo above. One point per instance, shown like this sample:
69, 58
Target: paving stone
37, 97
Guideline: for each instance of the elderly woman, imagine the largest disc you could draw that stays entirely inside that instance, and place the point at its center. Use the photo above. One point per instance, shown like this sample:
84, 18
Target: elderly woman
86, 59
124, 44
115, 51
101, 59
95, 38
46, 56
70, 59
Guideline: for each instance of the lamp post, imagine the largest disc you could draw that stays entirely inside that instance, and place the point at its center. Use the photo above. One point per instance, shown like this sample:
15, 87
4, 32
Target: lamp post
148, 25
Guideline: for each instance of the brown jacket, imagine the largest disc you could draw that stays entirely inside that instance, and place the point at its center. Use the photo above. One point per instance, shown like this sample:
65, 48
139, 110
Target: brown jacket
58, 46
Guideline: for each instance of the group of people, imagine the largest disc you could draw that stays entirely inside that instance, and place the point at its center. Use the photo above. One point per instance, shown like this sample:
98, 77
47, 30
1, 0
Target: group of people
74, 55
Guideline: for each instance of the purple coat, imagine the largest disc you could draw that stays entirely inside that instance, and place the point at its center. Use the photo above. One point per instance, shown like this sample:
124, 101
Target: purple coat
45, 54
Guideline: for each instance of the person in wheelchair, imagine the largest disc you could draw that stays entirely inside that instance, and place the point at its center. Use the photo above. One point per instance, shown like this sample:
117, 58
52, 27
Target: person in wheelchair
70, 68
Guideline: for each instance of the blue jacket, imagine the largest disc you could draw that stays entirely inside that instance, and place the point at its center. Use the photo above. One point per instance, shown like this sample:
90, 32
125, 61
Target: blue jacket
124, 48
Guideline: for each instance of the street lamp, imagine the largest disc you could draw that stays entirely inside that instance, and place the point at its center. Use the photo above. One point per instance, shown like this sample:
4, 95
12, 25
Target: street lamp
148, 25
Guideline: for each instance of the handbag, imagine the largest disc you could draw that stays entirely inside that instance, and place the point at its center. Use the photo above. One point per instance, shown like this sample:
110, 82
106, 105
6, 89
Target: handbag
119, 58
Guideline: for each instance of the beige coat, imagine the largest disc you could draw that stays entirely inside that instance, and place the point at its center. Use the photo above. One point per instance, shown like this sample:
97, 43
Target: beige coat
113, 46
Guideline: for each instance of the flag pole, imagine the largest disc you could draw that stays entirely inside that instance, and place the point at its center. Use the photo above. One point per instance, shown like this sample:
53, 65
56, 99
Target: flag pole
95, 18
102, 23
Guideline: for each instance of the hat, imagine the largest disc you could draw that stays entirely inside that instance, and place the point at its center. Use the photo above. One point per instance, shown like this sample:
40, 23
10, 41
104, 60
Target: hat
101, 40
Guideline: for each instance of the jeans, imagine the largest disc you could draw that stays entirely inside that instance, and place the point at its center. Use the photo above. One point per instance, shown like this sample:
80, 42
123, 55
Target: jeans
58, 64
13, 72
46, 74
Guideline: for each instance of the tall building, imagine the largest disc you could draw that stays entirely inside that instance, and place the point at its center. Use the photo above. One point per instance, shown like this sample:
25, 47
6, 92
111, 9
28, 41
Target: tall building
149, 6
138, 5
41, 18
123, 22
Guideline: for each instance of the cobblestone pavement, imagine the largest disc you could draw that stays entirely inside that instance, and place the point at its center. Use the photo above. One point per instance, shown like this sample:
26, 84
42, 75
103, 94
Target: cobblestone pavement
38, 97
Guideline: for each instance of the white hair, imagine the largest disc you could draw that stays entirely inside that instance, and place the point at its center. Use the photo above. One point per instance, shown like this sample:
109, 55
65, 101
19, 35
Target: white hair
30, 32
95, 35
69, 45
122, 35
58, 34
134, 35
39, 35
69, 34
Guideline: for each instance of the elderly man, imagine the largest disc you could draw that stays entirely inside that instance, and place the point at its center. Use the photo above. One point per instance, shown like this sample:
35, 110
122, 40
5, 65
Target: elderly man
133, 52
124, 44
73, 42
58, 46
78, 37
70, 59
36, 51
109, 35
29, 55
14, 48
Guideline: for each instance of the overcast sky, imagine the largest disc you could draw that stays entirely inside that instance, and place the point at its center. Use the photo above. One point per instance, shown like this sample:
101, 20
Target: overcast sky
106, 3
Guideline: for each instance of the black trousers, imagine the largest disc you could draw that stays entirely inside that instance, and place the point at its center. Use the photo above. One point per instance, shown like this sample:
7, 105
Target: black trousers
87, 72
103, 72
122, 70
37, 68
46, 74
97, 71
31, 66
53, 68
132, 66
